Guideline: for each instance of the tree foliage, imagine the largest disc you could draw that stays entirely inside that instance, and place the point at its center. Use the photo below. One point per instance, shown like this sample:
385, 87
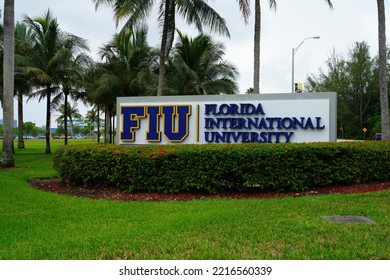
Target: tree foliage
70, 113
355, 79
196, 12
198, 67
53, 52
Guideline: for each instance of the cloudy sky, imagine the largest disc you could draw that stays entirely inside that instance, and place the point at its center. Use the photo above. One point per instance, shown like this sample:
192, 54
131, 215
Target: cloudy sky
294, 20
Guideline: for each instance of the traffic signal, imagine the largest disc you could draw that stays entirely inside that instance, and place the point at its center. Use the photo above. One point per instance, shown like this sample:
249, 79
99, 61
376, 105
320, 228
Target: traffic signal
298, 87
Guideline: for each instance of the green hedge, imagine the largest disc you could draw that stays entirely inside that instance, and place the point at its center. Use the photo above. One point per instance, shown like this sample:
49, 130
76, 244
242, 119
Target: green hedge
220, 168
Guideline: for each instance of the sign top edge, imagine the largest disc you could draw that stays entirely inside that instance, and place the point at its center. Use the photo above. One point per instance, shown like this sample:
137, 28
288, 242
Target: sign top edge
232, 97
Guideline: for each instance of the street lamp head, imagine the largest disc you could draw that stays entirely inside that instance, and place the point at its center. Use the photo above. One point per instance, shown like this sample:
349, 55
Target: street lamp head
294, 51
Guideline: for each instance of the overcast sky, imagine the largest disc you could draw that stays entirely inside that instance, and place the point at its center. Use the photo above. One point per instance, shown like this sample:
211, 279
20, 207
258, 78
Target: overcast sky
294, 20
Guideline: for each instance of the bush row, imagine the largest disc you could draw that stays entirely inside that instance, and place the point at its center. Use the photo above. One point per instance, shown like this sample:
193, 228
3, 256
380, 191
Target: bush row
221, 168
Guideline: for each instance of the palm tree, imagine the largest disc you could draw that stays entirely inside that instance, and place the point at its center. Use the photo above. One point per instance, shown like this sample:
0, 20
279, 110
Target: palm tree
196, 11
51, 52
70, 112
383, 70
256, 48
127, 62
23, 41
91, 95
125, 71
72, 81
91, 118
245, 10
72, 84
199, 68
7, 158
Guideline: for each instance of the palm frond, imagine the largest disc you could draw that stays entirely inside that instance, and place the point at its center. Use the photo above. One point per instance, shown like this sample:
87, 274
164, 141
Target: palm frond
39, 74
102, 2
245, 9
329, 3
272, 4
198, 11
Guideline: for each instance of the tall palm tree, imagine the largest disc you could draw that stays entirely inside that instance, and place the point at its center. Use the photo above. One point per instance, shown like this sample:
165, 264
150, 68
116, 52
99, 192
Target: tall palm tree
125, 71
197, 12
245, 10
199, 67
72, 84
23, 85
383, 70
256, 48
127, 61
68, 111
52, 50
91, 84
91, 118
7, 158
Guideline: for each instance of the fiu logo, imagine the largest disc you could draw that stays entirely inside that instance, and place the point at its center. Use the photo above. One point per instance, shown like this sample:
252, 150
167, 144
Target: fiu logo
174, 119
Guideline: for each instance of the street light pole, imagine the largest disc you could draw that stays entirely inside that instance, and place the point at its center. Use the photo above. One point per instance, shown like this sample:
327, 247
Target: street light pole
294, 51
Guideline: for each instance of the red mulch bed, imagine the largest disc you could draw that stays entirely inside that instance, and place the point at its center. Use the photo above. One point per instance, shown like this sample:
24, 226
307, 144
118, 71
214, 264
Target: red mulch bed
116, 194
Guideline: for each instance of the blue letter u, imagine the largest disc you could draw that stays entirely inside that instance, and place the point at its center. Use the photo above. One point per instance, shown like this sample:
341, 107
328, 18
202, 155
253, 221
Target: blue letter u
176, 120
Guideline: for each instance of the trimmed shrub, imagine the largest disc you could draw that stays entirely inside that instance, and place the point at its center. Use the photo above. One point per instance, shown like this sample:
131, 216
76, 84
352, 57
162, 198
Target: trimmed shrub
221, 168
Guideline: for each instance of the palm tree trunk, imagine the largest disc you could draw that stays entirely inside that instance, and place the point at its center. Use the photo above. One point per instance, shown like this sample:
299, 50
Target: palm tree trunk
110, 125
71, 127
383, 71
105, 125
7, 158
161, 72
66, 117
163, 50
48, 117
98, 123
113, 127
20, 121
256, 69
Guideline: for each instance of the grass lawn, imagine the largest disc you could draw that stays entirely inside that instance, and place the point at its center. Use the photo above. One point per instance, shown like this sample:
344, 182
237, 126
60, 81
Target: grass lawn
39, 225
